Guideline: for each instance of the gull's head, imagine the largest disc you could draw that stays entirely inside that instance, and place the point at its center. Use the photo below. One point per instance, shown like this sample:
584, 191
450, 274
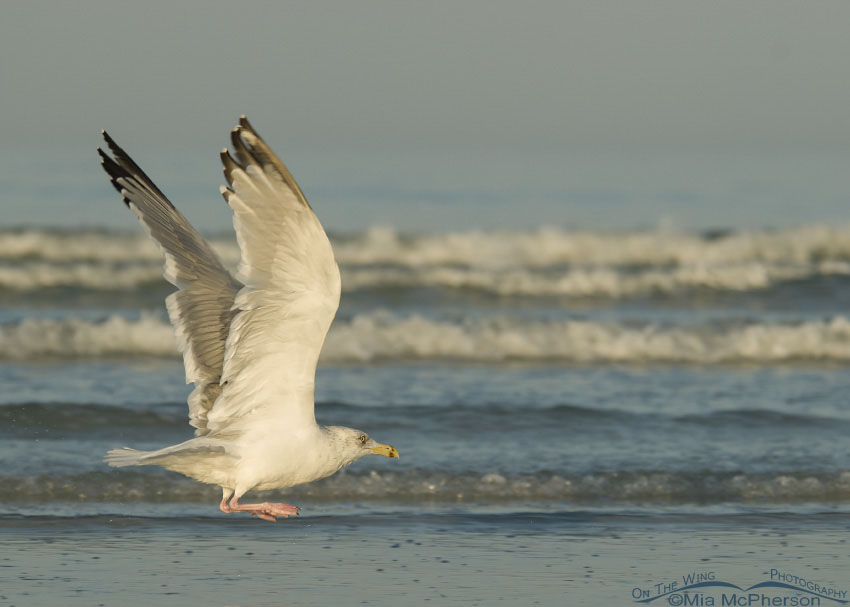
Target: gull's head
353, 444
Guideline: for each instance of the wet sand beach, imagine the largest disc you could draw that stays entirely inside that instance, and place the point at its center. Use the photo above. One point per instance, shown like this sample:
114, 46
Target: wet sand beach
405, 558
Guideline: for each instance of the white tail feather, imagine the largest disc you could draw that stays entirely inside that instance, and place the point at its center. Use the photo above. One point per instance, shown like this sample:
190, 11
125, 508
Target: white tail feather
118, 458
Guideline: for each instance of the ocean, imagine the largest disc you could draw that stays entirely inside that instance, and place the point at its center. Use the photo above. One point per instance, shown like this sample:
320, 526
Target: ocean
583, 417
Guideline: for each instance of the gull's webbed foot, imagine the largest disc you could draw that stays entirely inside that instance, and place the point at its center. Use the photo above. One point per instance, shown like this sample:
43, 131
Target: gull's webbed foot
266, 511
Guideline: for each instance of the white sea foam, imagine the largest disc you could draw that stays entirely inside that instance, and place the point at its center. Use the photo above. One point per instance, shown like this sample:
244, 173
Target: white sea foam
545, 262
34, 275
379, 337
35, 338
540, 248
603, 282
598, 282
552, 246
66, 246
382, 337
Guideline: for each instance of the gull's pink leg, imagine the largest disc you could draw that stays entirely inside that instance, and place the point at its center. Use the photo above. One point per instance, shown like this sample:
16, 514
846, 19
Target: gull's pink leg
223, 506
266, 511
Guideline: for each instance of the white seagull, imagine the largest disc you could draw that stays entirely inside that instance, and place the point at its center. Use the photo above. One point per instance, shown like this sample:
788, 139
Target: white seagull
251, 343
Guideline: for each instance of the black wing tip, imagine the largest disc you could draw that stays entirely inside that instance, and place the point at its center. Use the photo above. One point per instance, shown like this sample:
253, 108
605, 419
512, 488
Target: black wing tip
226, 193
228, 165
254, 149
121, 166
243, 123
244, 155
111, 143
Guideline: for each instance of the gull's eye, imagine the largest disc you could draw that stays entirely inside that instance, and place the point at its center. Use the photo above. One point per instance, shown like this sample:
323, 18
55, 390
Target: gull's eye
362, 438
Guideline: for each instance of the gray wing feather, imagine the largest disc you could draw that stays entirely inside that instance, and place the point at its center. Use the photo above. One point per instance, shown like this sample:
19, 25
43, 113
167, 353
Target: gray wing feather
201, 309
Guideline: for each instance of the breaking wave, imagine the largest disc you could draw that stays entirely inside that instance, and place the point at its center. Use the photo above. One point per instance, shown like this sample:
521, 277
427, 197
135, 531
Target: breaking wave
92, 246
542, 263
602, 283
539, 248
35, 275
380, 337
547, 247
579, 282
36, 338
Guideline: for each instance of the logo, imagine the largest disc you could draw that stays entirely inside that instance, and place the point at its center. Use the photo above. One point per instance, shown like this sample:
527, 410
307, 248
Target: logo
705, 589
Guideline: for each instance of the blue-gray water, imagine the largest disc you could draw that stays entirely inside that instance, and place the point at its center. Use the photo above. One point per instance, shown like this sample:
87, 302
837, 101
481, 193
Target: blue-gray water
567, 388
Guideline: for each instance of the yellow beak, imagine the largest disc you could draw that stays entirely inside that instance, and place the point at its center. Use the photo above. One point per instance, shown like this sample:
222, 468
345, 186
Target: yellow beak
386, 450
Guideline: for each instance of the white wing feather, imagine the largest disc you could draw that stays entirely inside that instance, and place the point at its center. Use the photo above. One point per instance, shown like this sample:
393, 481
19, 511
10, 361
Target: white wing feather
291, 293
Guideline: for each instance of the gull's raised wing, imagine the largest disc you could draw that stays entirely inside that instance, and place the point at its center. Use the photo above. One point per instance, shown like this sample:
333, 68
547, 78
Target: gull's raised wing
201, 309
290, 296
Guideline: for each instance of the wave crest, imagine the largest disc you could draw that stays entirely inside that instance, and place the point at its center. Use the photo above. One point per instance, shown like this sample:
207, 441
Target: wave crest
379, 337
550, 246
543, 263
35, 338
599, 282
544, 247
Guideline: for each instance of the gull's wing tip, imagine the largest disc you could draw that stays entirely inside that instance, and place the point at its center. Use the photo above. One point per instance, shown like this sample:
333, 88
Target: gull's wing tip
243, 122
228, 165
112, 145
226, 193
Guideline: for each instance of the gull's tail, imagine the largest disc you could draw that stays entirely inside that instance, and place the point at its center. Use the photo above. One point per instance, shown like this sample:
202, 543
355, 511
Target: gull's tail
204, 459
118, 458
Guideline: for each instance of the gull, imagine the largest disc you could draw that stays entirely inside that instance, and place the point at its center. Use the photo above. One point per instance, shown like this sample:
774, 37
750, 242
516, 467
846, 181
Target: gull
250, 342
